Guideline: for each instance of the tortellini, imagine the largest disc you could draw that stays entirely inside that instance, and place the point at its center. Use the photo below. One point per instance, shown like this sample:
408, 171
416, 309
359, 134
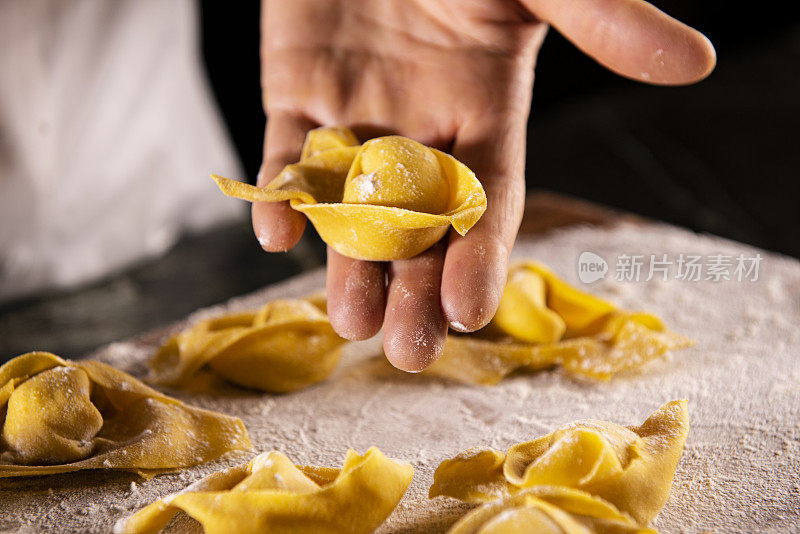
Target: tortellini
543, 321
625, 469
59, 416
285, 346
388, 199
270, 494
397, 172
548, 510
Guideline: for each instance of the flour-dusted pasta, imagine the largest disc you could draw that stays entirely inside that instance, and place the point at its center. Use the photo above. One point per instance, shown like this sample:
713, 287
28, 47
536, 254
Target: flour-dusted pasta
287, 345
270, 494
542, 321
548, 510
631, 468
388, 199
59, 416
534, 296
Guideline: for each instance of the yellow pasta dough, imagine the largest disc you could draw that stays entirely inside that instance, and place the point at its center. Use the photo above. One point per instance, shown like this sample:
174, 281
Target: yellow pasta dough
270, 494
523, 312
286, 345
543, 321
59, 416
322, 139
534, 287
398, 172
630, 468
548, 510
388, 199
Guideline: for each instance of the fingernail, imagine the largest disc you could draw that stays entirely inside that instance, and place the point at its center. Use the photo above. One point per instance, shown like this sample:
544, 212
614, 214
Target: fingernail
458, 327
267, 244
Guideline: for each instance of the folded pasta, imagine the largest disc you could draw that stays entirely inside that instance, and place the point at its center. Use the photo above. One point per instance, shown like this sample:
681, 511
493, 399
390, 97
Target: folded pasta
548, 510
270, 494
286, 345
631, 468
388, 199
60, 416
542, 321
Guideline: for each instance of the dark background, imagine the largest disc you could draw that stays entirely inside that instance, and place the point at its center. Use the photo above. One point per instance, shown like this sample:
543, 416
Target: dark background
720, 157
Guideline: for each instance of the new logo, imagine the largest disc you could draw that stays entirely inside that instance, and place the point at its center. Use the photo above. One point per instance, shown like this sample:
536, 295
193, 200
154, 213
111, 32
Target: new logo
591, 267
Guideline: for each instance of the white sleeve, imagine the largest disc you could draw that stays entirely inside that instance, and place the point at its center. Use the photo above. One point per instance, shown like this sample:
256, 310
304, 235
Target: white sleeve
108, 134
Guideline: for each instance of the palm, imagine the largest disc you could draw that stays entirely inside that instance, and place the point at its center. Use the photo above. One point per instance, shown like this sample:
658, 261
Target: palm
396, 66
452, 74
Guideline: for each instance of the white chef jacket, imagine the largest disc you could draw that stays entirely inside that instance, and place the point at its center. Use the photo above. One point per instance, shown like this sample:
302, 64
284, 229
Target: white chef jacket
108, 134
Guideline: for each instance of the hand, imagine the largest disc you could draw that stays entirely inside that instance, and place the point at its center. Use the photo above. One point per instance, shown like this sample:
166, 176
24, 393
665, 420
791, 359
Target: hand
452, 74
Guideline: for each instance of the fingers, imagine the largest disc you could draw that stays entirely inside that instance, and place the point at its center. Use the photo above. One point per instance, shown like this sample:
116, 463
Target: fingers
631, 37
414, 327
356, 296
277, 226
476, 264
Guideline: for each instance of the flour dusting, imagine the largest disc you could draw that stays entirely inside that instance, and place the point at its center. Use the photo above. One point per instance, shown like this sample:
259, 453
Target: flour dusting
740, 470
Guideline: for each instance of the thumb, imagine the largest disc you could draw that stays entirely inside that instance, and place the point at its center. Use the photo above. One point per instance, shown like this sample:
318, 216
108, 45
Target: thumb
277, 226
632, 38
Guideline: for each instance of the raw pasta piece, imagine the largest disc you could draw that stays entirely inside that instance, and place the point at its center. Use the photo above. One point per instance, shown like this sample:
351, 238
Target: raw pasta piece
388, 199
578, 310
626, 341
472, 359
542, 321
285, 346
523, 311
630, 467
270, 494
59, 416
322, 139
397, 172
548, 510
